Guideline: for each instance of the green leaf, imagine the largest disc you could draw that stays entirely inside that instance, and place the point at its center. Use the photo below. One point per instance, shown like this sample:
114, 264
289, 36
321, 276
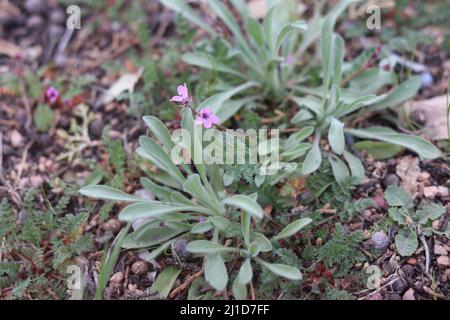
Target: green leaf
239, 290
194, 187
108, 193
150, 235
417, 144
158, 251
225, 15
340, 170
326, 49
215, 102
288, 28
406, 243
402, 93
230, 107
264, 244
299, 136
206, 247
246, 204
430, 211
398, 197
312, 103
141, 210
378, 150
109, 262
313, 159
245, 227
255, 31
220, 222
164, 282
160, 192
293, 228
202, 227
153, 151
302, 115
282, 270
336, 136
339, 52
160, 131
245, 272
216, 272
43, 118
203, 60
295, 151
186, 11
399, 215
356, 167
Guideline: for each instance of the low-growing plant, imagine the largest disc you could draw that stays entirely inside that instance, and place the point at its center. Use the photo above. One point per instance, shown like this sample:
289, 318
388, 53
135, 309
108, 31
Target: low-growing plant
414, 223
25, 266
260, 59
327, 109
193, 203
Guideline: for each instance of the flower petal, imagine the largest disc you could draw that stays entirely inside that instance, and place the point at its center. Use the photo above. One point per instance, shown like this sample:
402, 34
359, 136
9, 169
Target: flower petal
183, 91
177, 99
207, 123
214, 119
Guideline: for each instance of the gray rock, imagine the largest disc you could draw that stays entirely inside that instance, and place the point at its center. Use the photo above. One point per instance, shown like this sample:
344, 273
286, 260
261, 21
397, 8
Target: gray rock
96, 128
35, 21
393, 296
57, 17
391, 180
179, 246
35, 6
380, 240
399, 285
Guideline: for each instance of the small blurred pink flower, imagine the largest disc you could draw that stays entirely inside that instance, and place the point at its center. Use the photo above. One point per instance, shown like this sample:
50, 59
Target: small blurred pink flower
207, 118
183, 95
51, 95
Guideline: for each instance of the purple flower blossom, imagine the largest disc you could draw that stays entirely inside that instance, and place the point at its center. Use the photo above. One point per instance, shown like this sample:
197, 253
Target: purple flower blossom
207, 118
183, 95
201, 220
51, 95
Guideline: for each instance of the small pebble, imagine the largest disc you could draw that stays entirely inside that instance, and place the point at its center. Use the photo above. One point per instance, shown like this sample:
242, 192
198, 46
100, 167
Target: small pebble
57, 16
408, 270
443, 262
96, 128
117, 277
439, 250
430, 192
380, 240
179, 246
427, 79
409, 294
393, 296
35, 21
391, 180
16, 139
35, 6
399, 285
139, 268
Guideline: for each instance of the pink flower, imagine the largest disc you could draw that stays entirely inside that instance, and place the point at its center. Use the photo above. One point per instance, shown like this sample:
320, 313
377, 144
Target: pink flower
183, 95
51, 95
207, 118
